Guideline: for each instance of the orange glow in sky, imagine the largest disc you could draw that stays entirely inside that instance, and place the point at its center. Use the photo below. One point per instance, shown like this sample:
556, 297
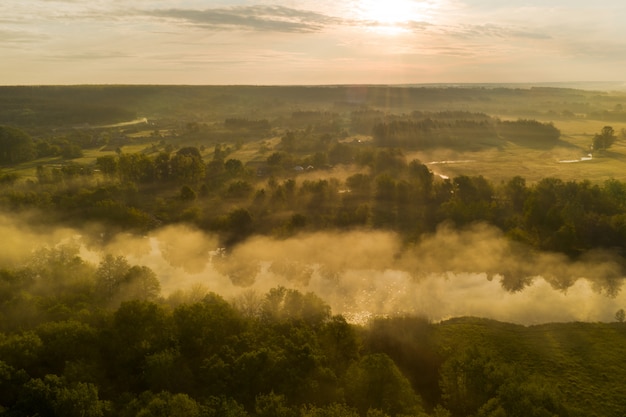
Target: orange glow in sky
310, 41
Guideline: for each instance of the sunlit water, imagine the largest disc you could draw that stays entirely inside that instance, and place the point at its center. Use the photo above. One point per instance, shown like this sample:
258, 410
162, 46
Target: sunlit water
367, 274
573, 161
360, 294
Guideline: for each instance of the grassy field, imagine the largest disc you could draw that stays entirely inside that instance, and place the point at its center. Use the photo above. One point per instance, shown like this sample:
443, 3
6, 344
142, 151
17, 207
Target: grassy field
494, 163
534, 163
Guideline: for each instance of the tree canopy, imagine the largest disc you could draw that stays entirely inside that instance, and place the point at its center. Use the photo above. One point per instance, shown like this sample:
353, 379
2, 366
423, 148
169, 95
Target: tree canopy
605, 139
15, 146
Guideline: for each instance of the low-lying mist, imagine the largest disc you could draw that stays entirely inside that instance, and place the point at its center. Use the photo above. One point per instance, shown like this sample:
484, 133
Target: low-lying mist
360, 274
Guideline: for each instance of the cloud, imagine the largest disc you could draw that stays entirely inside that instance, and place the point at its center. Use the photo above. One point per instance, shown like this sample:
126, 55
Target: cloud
255, 18
88, 56
419, 26
612, 50
19, 36
493, 31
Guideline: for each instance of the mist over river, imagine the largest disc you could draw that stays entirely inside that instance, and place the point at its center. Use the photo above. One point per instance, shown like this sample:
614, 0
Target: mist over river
362, 294
471, 272
366, 274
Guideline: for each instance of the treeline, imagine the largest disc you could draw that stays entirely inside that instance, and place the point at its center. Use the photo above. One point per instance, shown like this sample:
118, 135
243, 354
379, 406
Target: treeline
142, 191
420, 130
65, 106
525, 130
18, 146
56, 106
459, 130
82, 339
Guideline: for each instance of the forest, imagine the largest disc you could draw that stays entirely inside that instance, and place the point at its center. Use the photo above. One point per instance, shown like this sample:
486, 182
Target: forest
198, 250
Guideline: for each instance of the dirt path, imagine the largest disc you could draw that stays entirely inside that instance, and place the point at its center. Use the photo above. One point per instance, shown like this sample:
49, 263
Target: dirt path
141, 120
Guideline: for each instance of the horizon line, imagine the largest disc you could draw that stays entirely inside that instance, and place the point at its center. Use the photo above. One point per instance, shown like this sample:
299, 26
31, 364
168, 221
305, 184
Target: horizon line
335, 85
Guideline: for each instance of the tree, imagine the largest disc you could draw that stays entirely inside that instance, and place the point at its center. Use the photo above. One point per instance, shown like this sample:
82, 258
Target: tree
71, 151
117, 280
187, 166
108, 165
136, 167
604, 139
524, 130
620, 315
15, 146
65, 342
110, 275
240, 224
525, 396
423, 176
60, 271
515, 193
140, 283
376, 382
239, 189
139, 330
22, 351
278, 159
234, 167
333, 410
288, 142
340, 343
273, 405
203, 328
470, 378
53, 396
190, 151
163, 404
187, 193
288, 305
162, 166
359, 183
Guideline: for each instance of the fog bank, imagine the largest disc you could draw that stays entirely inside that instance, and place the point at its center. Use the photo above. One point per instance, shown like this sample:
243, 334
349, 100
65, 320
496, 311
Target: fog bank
360, 274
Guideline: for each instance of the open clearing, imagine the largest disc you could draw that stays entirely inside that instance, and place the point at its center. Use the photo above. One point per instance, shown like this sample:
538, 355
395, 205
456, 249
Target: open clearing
533, 164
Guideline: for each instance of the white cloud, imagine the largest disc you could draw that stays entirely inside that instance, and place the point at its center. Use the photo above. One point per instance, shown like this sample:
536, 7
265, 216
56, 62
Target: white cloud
258, 18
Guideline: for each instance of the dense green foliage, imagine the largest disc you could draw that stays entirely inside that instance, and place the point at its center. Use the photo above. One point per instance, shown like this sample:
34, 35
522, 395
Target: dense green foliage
140, 191
82, 339
15, 146
604, 139
442, 129
529, 130
73, 341
58, 106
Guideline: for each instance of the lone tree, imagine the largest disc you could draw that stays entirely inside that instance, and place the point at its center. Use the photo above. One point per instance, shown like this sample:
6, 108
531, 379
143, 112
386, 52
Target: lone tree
604, 139
620, 315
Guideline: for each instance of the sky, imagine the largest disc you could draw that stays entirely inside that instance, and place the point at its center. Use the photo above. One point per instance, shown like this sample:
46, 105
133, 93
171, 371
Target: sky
287, 42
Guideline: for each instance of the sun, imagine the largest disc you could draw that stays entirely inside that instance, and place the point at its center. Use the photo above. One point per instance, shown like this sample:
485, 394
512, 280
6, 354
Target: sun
390, 15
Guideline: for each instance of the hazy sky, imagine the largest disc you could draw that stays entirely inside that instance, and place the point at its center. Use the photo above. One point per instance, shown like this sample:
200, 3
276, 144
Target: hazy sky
310, 41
